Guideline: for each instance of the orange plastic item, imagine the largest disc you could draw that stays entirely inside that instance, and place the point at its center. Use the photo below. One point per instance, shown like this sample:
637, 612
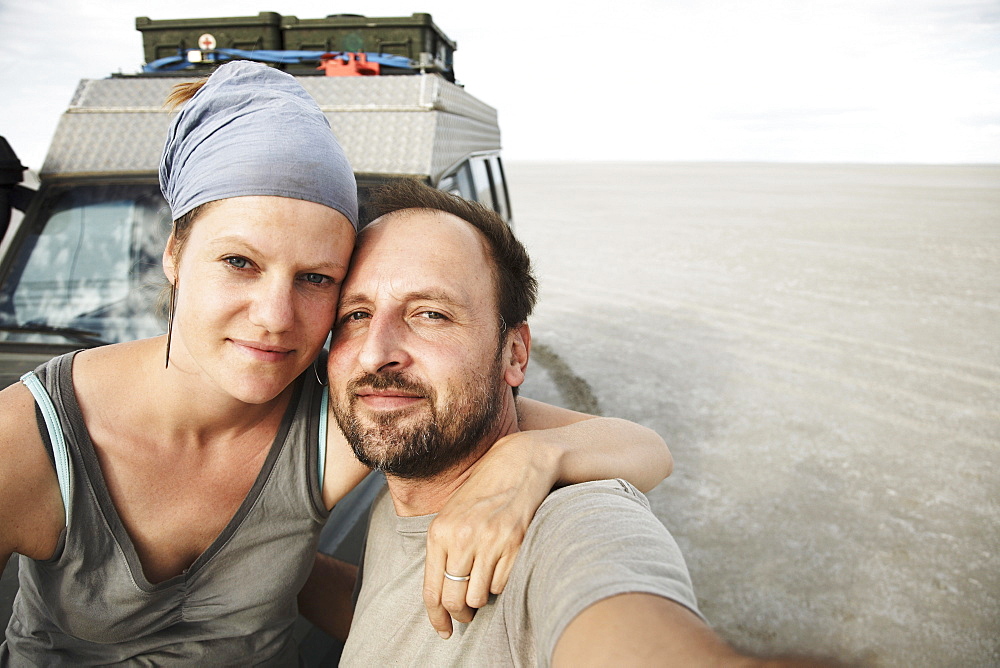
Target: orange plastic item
355, 65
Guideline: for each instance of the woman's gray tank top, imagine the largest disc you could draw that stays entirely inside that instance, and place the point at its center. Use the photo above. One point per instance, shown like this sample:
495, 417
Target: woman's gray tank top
90, 603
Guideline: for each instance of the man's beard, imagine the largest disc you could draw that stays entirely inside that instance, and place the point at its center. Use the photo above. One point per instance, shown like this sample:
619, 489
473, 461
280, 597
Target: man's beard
420, 445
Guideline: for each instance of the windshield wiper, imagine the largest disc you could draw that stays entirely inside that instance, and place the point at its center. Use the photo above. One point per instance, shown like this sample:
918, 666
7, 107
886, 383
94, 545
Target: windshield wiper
84, 336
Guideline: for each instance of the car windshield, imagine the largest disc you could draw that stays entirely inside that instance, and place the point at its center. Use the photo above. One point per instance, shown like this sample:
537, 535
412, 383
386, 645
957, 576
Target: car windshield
88, 268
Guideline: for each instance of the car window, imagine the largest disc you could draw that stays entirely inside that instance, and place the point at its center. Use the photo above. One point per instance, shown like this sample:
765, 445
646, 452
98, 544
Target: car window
483, 184
90, 262
501, 200
464, 184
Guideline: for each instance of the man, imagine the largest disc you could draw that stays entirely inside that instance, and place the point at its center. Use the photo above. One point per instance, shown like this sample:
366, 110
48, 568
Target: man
430, 346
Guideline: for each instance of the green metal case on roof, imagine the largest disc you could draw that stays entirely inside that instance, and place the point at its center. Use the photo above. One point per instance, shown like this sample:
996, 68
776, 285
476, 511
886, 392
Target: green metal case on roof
163, 38
415, 37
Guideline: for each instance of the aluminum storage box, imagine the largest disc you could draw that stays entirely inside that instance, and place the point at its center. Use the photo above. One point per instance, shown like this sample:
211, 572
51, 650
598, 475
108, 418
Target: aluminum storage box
420, 125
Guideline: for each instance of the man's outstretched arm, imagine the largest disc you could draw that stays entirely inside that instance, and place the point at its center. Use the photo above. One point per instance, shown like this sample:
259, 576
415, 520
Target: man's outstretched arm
649, 630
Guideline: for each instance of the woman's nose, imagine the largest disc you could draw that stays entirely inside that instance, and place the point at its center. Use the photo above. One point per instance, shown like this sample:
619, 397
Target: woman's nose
273, 307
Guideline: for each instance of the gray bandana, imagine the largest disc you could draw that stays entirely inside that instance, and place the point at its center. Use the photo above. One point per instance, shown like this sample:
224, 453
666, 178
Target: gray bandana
253, 130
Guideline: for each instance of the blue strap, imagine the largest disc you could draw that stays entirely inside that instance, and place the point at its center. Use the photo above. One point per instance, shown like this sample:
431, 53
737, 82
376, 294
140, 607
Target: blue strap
180, 61
56, 437
324, 407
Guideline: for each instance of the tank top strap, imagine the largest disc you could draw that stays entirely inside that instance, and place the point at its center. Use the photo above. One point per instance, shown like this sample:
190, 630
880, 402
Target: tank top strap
324, 408
56, 438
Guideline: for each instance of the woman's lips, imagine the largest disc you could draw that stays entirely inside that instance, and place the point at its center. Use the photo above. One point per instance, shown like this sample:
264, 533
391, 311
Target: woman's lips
262, 351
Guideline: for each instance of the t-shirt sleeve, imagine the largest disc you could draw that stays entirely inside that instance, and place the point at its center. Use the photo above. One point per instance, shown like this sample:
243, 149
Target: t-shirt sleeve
589, 542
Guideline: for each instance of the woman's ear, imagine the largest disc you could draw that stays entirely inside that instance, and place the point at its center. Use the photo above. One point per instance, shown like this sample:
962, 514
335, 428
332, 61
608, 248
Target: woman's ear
170, 260
517, 350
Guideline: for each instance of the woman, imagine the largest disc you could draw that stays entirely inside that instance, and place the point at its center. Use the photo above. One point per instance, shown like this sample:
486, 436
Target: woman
182, 516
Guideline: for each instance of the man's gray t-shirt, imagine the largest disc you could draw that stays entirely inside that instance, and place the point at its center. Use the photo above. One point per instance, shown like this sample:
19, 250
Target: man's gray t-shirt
587, 542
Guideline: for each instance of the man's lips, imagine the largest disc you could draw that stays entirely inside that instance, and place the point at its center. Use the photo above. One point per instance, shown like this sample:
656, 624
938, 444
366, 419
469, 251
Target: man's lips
263, 352
388, 399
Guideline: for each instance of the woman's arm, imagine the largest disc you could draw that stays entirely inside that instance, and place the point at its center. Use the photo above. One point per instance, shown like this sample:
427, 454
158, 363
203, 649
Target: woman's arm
584, 447
481, 527
31, 509
326, 598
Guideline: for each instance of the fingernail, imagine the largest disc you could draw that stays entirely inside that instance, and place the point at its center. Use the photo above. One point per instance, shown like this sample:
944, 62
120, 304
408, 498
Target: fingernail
444, 634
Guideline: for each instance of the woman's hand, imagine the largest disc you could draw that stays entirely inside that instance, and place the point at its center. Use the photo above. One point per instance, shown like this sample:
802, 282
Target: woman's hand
479, 531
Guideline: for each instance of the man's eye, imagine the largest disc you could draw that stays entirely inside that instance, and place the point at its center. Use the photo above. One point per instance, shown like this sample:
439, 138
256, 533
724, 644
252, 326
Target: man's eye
317, 279
433, 315
237, 261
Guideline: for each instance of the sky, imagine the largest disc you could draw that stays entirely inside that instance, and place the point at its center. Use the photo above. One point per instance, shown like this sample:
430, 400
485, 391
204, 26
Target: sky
856, 81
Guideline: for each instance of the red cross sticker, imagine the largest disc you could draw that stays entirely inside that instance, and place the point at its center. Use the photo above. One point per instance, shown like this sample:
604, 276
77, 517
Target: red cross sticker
206, 42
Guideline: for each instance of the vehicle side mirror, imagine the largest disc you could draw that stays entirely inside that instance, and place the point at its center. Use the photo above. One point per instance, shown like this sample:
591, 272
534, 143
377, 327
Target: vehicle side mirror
12, 194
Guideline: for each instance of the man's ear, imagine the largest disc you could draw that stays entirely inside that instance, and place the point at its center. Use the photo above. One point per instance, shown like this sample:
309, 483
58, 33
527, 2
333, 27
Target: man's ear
517, 349
170, 259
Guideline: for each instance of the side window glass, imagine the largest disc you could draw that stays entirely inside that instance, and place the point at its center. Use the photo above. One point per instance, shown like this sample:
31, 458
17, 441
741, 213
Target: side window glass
481, 178
449, 185
464, 186
501, 202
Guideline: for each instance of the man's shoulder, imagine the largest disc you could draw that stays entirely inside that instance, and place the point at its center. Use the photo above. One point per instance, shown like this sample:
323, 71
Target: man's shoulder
576, 522
588, 542
616, 494
616, 486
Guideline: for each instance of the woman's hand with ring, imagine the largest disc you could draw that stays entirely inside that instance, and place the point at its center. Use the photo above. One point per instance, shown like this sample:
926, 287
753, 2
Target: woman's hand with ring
472, 543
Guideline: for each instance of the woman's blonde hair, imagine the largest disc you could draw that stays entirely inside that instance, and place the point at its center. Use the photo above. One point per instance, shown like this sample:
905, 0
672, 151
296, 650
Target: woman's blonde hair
183, 92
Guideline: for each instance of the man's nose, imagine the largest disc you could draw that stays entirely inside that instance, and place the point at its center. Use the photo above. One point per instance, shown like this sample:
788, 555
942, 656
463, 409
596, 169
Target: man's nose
384, 346
272, 306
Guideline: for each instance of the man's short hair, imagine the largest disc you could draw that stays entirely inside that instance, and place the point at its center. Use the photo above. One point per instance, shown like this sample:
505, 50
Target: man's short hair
515, 285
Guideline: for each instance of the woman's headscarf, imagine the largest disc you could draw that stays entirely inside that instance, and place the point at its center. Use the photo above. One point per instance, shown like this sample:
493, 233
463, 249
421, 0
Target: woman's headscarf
253, 130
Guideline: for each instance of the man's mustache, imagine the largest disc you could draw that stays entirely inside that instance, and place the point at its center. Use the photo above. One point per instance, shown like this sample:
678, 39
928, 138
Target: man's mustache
391, 380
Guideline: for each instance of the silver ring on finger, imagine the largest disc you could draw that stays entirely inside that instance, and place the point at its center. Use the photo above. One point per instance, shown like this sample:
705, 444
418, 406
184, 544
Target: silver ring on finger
458, 578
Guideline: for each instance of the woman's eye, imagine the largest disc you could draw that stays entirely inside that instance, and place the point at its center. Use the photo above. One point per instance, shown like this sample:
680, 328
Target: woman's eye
355, 315
238, 262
